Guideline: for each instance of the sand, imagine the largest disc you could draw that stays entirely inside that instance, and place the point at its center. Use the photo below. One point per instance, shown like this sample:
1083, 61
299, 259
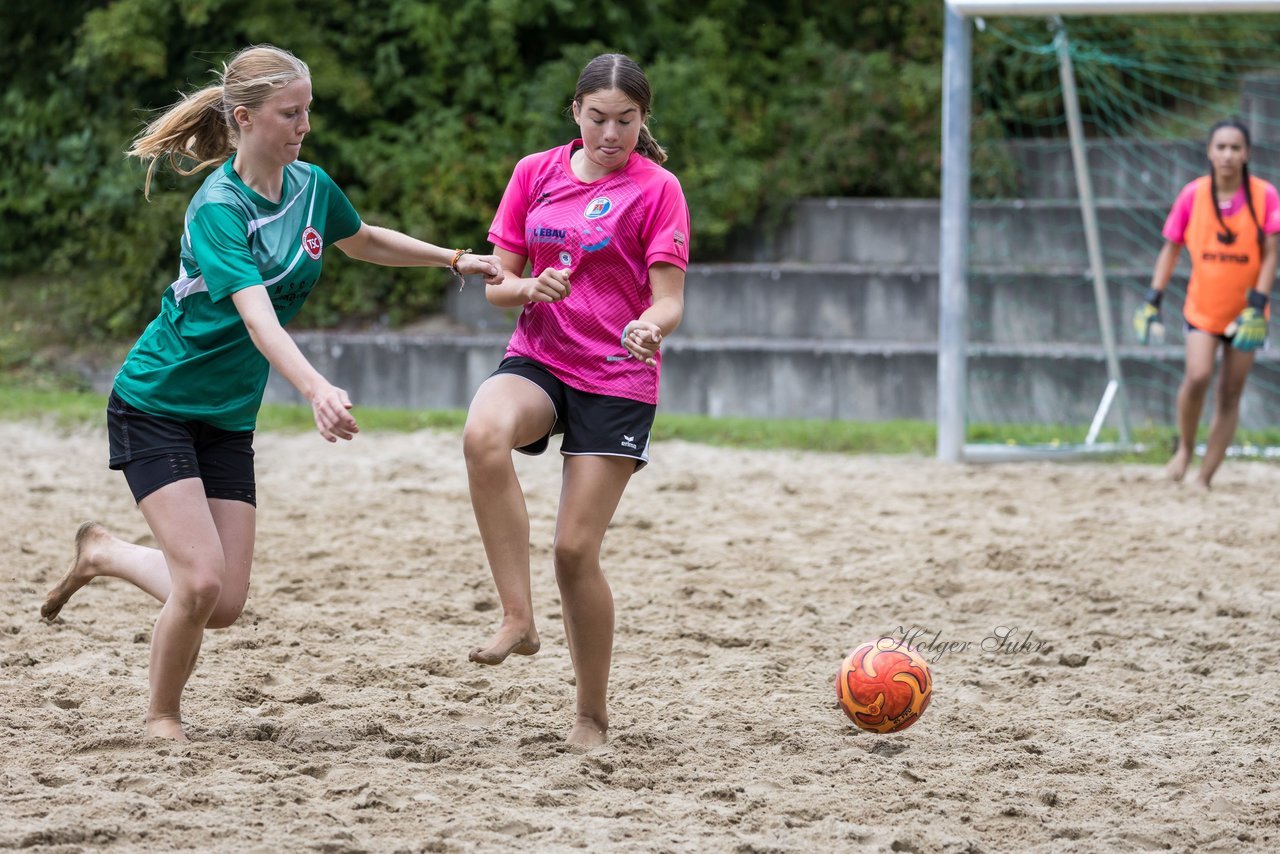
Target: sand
1134, 706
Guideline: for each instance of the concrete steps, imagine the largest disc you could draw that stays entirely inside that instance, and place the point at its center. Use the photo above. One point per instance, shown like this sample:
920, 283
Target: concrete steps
891, 233
1155, 170
866, 303
835, 316
791, 377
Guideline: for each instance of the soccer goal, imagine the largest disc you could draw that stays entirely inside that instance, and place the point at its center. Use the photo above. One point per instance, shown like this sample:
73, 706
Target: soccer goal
1068, 130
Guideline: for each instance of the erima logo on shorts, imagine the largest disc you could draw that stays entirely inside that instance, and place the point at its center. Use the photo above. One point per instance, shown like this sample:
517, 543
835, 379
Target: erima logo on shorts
629, 442
312, 242
597, 207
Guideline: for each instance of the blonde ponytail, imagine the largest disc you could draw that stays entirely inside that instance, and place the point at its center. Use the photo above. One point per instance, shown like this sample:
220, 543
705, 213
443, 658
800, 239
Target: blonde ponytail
195, 128
201, 126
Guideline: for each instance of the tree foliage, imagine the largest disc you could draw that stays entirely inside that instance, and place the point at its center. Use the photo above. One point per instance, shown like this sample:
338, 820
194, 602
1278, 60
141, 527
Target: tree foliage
423, 108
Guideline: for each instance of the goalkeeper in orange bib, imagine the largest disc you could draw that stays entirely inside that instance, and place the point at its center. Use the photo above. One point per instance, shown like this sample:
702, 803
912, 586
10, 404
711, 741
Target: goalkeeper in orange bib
1230, 224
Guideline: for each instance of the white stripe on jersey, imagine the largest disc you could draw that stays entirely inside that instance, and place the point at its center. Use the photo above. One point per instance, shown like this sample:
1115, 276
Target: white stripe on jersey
255, 224
188, 285
297, 257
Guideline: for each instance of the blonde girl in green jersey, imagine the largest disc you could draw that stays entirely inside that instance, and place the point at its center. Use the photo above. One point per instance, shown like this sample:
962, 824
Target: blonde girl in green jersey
183, 407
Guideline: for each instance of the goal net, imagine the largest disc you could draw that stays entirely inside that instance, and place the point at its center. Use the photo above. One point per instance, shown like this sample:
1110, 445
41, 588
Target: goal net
1055, 262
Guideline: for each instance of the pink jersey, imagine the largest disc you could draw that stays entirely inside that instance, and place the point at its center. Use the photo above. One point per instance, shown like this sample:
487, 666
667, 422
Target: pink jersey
608, 232
1175, 227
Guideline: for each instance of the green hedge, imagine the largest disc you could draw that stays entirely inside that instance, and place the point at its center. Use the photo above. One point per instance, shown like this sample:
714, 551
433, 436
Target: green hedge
422, 110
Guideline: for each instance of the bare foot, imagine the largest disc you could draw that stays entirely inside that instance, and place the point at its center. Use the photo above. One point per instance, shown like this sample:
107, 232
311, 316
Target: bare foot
587, 733
1177, 467
166, 727
507, 640
1200, 485
79, 573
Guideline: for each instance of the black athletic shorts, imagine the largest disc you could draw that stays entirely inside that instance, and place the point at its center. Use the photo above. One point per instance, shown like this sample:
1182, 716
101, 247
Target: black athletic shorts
595, 425
1188, 326
154, 451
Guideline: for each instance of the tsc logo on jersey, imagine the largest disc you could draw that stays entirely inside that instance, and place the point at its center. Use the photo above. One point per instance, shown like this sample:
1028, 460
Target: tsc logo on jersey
566, 260
597, 207
312, 243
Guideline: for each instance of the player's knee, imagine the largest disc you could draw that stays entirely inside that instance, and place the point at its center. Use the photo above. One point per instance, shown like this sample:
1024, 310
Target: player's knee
1228, 399
573, 557
225, 614
482, 443
1198, 381
199, 593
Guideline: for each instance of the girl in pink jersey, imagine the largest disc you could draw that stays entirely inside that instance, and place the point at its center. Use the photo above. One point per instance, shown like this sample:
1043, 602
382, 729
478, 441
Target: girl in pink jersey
593, 238
1230, 223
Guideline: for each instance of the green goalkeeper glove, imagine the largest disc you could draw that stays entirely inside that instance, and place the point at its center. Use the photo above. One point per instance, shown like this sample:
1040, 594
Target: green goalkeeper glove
1249, 331
1146, 320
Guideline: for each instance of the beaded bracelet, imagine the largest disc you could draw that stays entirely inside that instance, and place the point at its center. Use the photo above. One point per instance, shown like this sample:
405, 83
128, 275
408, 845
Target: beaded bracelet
453, 265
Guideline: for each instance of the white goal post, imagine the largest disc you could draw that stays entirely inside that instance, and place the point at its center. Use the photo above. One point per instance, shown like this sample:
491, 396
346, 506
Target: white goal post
953, 287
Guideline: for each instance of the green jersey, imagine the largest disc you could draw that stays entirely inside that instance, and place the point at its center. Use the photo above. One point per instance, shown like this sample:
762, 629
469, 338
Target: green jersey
195, 361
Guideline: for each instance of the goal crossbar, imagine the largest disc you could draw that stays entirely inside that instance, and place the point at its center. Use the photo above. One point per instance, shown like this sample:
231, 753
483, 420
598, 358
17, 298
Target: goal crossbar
972, 8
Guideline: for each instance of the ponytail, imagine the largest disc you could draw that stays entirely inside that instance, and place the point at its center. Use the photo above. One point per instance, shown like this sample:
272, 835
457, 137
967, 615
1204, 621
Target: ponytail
1248, 199
200, 127
649, 147
1227, 236
195, 128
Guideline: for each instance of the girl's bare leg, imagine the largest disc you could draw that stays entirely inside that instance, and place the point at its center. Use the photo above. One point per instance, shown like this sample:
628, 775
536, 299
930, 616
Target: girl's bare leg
592, 488
1201, 350
182, 522
1226, 412
100, 554
507, 412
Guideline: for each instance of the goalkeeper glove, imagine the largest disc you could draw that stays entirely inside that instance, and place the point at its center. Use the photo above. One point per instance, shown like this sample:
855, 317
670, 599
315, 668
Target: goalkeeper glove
1249, 331
1146, 320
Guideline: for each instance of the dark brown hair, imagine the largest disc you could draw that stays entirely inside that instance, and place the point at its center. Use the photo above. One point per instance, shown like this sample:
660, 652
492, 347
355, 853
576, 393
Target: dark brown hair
618, 71
1227, 236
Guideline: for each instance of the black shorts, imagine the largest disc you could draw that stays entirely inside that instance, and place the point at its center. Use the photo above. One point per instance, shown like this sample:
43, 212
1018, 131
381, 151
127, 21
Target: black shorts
1188, 326
596, 425
154, 451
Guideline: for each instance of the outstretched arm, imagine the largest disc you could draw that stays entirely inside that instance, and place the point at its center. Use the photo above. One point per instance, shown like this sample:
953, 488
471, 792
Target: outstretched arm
329, 403
392, 248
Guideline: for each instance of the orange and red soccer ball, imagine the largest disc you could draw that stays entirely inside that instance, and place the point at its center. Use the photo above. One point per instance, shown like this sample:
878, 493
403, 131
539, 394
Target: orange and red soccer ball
884, 686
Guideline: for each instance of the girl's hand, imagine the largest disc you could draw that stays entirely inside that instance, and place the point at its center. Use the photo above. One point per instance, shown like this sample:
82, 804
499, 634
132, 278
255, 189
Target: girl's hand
482, 265
642, 340
331, 408
551, 286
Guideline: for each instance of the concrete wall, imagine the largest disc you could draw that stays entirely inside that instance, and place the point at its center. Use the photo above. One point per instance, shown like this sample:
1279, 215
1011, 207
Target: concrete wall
835, 316
890, 233
852, 302
1154, 170
756, 377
